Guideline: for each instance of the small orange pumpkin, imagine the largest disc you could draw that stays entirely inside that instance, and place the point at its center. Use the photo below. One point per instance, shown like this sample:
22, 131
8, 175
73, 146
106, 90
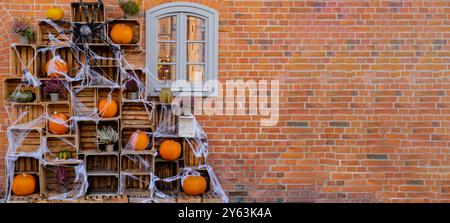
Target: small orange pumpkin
58, 128
59, 65
121, 33
194, 185
170, 150
139, 140
23, 184
107, 108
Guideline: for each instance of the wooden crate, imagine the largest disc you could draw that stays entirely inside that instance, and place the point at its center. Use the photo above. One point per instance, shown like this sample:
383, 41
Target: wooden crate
211, 197
190, 160
136, 27
137, 74
204, 173
109, 73
63, 108
26, 165
85, 101
172, 198
87, 136
137, 164
44, 29
49, 183
78, 14
137, 115
126, 134
29, 140
185, 198
63, 98
16, 84
105, 199
28, 116
103, 51
102, 165
158, 141
64, 52
101, 185
56, 145
136, 186
26, 53
103, 93
165, 120
164, 169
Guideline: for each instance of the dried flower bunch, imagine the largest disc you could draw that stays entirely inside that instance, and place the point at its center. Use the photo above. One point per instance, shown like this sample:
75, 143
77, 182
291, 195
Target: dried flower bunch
53, 86
129, 7
61, 175
107, 136
22, 27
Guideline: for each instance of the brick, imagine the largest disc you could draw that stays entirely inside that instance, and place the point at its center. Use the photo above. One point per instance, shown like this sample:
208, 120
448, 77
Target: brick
339, 124
376, 156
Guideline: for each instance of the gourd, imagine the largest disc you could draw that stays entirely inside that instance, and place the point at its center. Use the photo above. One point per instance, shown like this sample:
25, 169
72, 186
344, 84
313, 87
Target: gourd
107, 108
23, 184
165, 95
194, 185
121, 33
139, 140
170, 150
59, 126
22, 96
58, 65
55, 13
65, 154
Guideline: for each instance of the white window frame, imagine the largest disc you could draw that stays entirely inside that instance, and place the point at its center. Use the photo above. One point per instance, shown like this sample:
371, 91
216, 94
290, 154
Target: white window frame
182, 10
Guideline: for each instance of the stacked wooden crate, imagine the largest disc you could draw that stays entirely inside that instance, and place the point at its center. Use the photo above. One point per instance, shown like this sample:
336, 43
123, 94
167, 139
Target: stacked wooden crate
123, 175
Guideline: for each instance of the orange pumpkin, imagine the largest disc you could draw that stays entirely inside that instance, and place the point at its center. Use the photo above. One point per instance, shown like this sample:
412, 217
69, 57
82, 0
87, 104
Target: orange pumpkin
194, 185
121, 33
23, 184
139, 140
170, 150
107, 108
59, 65
58, 127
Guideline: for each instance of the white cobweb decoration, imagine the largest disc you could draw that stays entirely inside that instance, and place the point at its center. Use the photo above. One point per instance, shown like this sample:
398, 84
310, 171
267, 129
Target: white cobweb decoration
86, 77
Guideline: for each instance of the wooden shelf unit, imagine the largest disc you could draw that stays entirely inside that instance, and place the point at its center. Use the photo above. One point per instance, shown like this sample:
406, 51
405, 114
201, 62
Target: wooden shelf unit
106, 171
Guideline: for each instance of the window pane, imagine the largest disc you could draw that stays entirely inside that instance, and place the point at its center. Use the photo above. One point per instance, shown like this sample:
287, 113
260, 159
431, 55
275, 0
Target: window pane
167, 28
166, 72
195, 72
196, 28
166, 52
196, 52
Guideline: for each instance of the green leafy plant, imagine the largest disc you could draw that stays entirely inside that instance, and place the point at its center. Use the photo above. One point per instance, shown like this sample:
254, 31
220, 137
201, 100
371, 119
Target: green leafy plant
22, 27
107, 136
129, 7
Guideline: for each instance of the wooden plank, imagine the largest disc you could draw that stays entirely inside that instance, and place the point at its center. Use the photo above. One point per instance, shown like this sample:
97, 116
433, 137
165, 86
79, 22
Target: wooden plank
184, 198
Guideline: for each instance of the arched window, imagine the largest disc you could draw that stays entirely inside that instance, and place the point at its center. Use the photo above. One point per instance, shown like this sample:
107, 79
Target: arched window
182, 44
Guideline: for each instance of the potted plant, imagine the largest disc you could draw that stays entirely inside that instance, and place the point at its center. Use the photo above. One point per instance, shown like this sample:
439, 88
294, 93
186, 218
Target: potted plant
130, 8
53, 88
23, 28
109, 137
132, 87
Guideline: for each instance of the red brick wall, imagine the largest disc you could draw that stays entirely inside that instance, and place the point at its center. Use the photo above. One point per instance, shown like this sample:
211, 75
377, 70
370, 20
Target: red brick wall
365, 99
